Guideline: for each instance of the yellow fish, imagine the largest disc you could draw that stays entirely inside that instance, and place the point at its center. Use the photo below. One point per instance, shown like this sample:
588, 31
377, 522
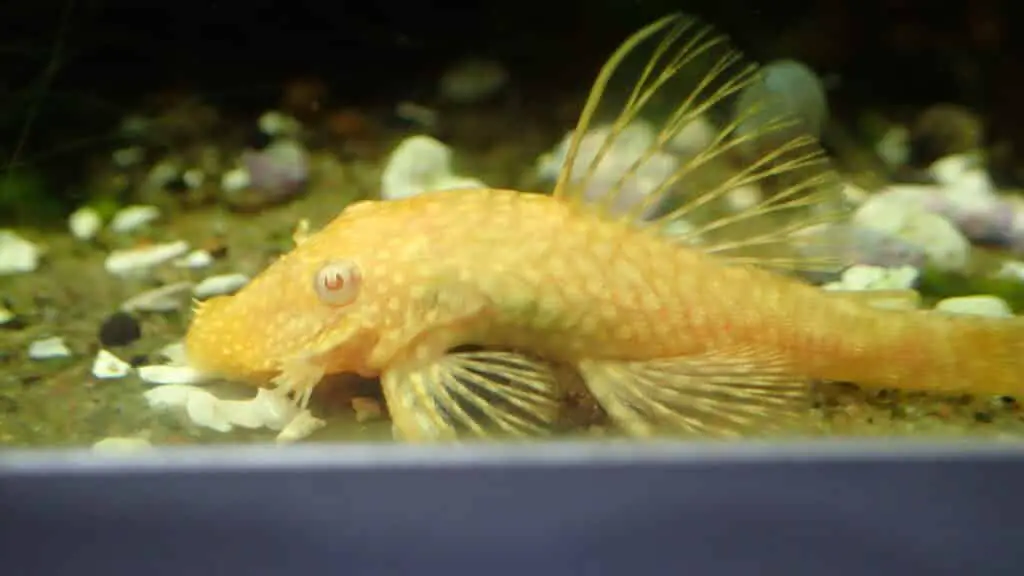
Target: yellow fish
679, 314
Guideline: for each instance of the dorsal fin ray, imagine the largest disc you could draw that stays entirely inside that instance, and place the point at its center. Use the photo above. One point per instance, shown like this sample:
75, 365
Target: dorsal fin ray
692, 78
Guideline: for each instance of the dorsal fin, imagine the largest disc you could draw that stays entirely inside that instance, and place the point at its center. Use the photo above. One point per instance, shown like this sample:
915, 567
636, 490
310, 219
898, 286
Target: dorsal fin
684, 79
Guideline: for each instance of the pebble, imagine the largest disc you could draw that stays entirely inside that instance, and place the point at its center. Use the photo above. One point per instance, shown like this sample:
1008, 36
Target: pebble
128, 157
195, 259
85, 223
220, 285
194, 178
17, 255
121, 444
139, 260
119, 329
265, 410
163, 299
366, 409
900, 214
301, 426
236, 179
107, 366
6, 316
169, 374
275, 124
174, 353
980, 305
875, 278
421, 164
48, 348
133, 218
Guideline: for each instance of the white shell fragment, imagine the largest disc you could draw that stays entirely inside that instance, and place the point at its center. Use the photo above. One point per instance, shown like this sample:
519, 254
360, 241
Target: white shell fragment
107, 366
301, 426
236, 179
421, 164
138, 260
875, 278
132, 218
195, 259
220, 285
48, 348
17, 255
170, 374
121, 445
265, 410
6, 315
979, 305
163, 299
85, 223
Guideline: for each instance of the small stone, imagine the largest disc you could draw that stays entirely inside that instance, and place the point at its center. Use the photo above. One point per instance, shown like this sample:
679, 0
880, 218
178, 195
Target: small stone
17, 255
235, 180
7, 317
107, 366
980, 305
119, 329
194, 178
220, 285
121, 445
128, 157
132, 218
203, 409
366, 409
168, 374
300, 427
85, 223
275, 124
163, 299
48, 348
139, 260
194, 260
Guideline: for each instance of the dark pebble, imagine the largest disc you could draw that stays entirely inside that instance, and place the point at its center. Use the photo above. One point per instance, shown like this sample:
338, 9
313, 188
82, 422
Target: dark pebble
139, 360
983, 417
119, 329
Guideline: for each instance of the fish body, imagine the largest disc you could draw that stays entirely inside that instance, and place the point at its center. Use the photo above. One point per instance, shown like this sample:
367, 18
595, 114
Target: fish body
471, 304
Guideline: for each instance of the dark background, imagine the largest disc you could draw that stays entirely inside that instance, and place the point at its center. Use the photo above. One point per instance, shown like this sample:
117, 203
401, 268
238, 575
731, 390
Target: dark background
887, 53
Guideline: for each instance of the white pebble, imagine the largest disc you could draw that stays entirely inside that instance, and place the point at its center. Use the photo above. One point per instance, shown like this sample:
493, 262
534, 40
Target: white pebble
48, 348
107, 366
901, 215
275, 123
163, 299
894, 146
121, 444
1011, 269
174, 353
301, 426
421, 164
236, 179
949, 170
195, 259
85, 223
132, 218
199, 405
980, 305
194, 178
137, 260
128, 157
203, 409
17, 255
862, 277
6, 315
265, 410
220, 285
170, 374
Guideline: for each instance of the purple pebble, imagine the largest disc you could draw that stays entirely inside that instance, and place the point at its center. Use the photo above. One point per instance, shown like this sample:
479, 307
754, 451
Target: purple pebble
280, 170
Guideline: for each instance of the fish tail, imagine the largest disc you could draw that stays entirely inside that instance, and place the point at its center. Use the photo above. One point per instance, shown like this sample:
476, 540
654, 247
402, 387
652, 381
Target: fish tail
930, 351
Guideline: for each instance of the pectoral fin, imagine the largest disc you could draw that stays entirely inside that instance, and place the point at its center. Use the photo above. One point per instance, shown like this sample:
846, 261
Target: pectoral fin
712, 394
479, 393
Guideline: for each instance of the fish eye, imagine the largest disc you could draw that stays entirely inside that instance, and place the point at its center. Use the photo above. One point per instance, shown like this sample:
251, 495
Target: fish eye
337, 282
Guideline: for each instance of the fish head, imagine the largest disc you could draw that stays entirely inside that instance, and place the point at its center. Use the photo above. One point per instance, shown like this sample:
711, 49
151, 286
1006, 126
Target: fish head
329, 299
